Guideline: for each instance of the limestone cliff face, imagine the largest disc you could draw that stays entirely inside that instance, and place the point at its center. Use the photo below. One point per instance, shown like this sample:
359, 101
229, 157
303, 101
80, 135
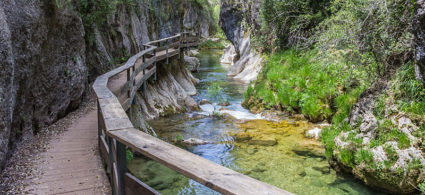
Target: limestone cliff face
169, 94
419, 31
49, 53
238, 19
43, 70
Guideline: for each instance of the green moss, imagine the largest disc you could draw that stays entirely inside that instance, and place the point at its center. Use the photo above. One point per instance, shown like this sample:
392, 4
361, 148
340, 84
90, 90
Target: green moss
391, 154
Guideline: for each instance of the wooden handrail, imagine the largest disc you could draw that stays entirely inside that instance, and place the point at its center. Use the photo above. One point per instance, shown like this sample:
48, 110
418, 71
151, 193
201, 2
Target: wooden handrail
116, 132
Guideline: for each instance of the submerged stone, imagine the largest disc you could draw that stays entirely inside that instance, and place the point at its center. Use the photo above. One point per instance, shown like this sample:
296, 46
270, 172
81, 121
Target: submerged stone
195, 141
204, 101
263, 141
225, 103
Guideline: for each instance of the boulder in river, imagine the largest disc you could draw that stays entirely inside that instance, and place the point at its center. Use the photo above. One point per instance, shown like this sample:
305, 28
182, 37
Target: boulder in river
191, 104
204, 101
225, 103
313, 133
192, 63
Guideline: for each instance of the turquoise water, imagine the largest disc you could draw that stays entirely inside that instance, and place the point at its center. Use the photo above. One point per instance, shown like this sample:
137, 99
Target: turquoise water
278, 153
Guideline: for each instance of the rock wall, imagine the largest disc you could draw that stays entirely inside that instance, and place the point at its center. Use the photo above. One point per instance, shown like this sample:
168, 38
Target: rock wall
169, 94
43, 67
49, 52
238, 19
419, 31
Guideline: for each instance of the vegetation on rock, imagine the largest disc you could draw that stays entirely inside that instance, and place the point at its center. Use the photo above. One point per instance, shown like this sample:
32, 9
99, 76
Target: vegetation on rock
349, 62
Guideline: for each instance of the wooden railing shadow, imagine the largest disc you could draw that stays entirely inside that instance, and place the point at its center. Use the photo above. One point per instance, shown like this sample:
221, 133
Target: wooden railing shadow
116, 131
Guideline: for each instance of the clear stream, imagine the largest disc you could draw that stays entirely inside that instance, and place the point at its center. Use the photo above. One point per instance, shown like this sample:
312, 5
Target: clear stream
278, 152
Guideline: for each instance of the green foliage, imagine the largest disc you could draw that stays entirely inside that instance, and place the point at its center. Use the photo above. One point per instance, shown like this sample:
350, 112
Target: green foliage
306, 83
129, 155
364, 155
391, 153
179, 137
409, 92
379, 27
347, 157
415, 164
403, 141
385, 135
292, 20
352, 137
215, 92
210, 44
97, 11
422, 187
379, 110
328, 136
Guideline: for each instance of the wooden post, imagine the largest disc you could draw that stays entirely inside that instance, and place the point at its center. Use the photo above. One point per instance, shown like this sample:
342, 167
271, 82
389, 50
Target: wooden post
180, 41
166, 42
154, 76
199, 38
143, 64
99, 126
121, 166
128, 79
143, 58
111, 167
144, 86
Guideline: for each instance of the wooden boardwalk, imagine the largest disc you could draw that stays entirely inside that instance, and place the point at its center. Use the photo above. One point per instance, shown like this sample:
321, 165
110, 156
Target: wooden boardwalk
72, 164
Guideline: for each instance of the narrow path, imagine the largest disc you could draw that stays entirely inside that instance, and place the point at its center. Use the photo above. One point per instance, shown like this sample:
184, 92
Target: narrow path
72, 164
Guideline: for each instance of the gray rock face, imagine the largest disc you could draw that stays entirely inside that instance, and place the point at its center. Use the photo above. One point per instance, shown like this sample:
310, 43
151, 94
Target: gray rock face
230, 19
190, 18
170, 93
43, 74
245, 61
48, 57
192, 63
7, 94
419, 31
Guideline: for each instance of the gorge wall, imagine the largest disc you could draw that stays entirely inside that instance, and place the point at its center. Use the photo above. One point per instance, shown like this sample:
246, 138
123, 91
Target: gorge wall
239, 19
419, 31
51, 50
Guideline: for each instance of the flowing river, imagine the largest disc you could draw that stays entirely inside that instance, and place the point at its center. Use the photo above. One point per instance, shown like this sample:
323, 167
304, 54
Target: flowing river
274, 152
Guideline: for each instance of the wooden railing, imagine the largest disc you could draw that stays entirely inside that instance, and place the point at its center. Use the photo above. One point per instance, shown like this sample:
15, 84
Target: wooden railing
116, 132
